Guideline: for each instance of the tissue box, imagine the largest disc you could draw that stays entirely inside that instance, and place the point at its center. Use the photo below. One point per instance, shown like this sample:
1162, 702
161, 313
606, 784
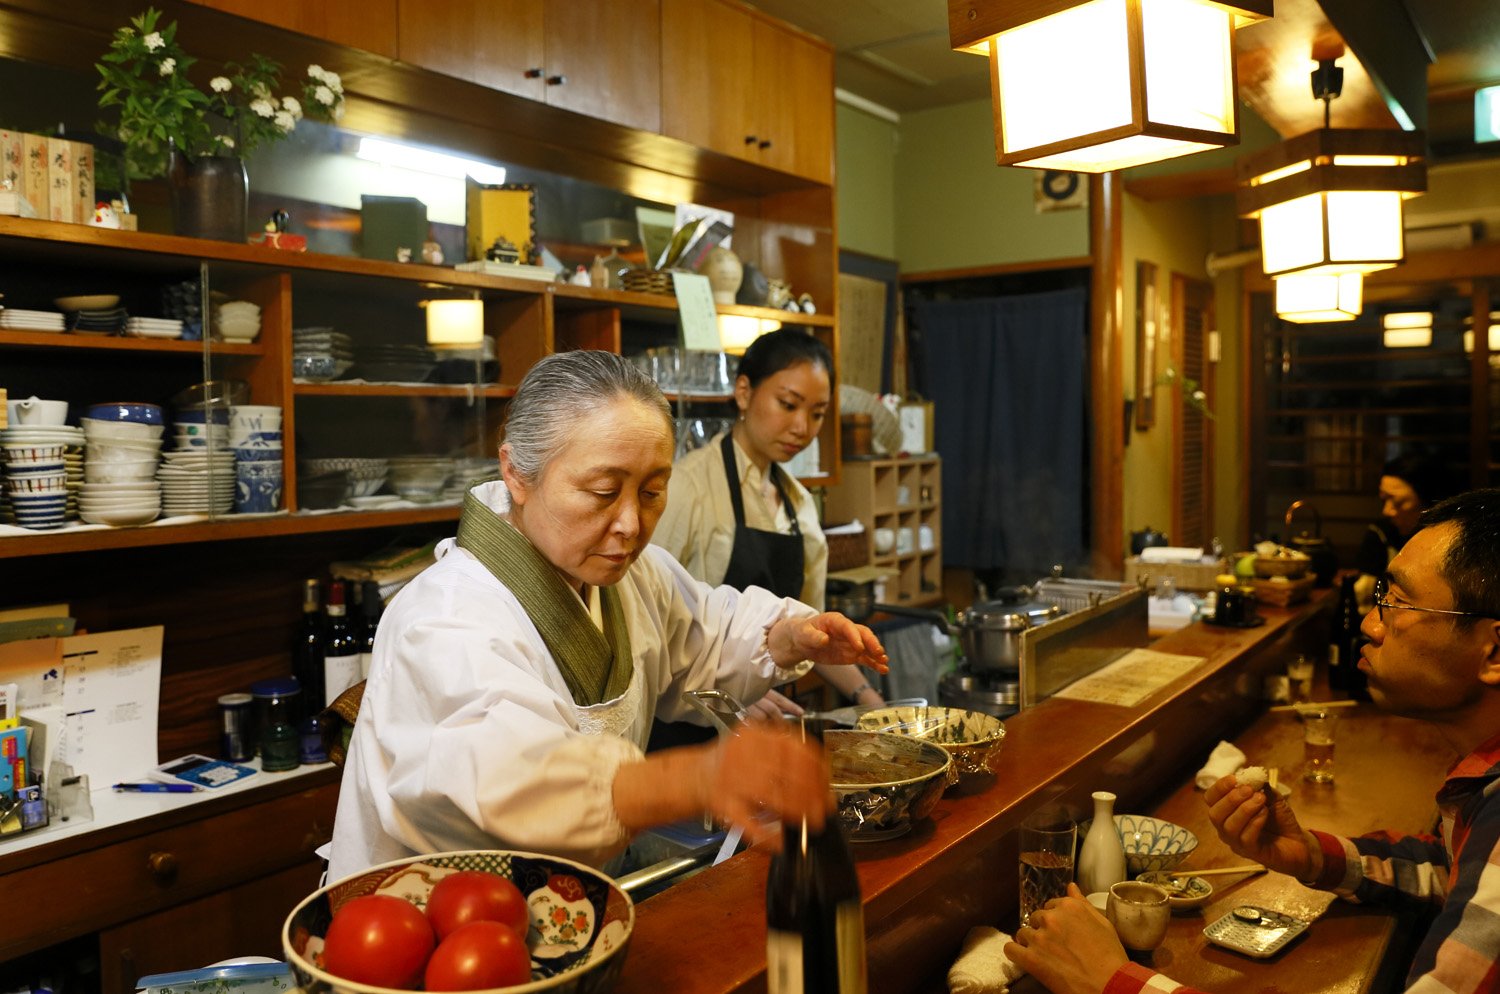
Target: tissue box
1187, 576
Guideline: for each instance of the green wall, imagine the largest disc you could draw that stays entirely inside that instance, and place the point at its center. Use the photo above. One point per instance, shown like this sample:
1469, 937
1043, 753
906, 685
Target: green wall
866, 206
956, 209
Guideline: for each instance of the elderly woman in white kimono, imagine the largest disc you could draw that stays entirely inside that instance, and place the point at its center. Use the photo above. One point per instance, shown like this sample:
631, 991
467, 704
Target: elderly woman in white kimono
514, 682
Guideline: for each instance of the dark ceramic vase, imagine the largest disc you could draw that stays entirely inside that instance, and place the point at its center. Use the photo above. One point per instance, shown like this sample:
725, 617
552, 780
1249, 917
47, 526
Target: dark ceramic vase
209, 196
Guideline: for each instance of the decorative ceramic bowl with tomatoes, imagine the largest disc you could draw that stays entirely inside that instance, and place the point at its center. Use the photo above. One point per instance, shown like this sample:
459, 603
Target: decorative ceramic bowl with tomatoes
579, 924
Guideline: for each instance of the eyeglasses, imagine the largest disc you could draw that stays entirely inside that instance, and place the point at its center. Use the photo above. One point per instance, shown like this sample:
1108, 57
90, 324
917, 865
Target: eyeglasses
1382, 587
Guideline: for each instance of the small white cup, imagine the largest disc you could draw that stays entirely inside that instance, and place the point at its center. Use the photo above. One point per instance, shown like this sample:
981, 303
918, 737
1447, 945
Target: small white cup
885, 540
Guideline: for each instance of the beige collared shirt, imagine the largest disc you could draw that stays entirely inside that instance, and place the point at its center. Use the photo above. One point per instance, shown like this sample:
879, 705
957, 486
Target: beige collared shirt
698, 525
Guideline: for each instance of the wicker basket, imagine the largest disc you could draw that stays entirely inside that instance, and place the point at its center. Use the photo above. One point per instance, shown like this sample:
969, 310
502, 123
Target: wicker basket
1187, 576
848, 551
1282, 594
1290, 567
647, 281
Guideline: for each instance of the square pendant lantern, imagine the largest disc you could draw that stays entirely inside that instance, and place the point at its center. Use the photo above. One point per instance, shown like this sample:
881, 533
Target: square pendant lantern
1318, 299
1095, 85
1330, 201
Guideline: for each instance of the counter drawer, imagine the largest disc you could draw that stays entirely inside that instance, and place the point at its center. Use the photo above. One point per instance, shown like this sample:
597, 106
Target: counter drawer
132, 877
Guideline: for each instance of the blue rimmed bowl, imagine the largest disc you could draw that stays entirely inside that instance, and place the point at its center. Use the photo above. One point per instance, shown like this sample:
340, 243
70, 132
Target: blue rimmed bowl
1152, 844
580, 919
149, 414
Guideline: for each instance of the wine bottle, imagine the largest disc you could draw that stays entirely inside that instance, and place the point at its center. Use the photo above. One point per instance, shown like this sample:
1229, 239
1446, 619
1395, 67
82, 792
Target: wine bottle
341, 655
1342, 640
370, 606
815, 926
307, 655
1356, 685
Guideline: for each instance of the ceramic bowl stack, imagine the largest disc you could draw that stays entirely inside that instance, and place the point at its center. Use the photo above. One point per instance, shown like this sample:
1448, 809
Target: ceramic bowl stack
255, 437
320, 354
420, 479
35, 480
201, 429
394, 363
365, 476
467, 472
237, 320
121, 458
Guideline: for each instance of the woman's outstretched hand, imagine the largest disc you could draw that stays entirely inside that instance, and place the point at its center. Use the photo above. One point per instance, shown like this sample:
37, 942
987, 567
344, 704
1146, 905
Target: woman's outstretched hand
826, 638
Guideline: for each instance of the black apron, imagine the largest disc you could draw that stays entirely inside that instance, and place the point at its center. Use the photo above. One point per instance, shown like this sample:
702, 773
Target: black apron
759, 559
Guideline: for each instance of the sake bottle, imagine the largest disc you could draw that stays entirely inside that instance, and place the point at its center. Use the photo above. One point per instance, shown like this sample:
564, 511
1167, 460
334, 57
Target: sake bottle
1101, 862
815, 926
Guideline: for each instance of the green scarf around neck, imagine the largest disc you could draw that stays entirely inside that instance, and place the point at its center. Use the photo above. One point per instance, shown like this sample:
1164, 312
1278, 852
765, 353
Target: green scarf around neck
597, 666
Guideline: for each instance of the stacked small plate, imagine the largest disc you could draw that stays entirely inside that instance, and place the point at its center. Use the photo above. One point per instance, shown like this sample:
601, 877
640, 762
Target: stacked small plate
98, 322
153, 328
394, 363
320, 354
19, 320
131, 503
197, 481
22, 445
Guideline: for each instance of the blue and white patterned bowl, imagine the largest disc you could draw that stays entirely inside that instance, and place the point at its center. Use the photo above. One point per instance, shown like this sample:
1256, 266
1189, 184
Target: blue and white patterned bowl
1153, 844
580, 919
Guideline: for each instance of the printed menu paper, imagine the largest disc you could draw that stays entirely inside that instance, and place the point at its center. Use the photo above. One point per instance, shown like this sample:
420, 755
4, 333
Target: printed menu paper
1130, 679
111, 690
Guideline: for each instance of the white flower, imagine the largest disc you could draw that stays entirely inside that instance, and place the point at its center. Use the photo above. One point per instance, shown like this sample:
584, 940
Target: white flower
285, 121
335, 83
168, 66
221, 84
153, 41
226, 141
291, 106
1199, 396
263, 108
324, 96
315, 71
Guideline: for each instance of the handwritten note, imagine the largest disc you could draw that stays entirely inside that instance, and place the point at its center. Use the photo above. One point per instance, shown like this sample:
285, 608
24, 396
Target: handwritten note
1130, 679
111, 691
695, 306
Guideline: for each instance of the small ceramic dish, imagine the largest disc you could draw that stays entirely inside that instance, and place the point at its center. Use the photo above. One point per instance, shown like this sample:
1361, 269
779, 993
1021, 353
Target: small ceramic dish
1183, 893
88, 302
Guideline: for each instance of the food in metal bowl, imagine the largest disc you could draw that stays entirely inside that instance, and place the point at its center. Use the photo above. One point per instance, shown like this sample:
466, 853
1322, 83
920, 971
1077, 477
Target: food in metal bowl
972, 738
884, 782
580, 920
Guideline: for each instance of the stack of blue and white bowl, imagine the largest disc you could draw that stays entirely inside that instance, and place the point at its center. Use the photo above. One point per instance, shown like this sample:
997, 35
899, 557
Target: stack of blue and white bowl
121, 452
255, 436
35, 481
197, 476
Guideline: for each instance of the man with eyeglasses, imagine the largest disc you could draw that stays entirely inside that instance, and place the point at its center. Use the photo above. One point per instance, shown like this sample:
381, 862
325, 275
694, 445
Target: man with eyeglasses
1433, 654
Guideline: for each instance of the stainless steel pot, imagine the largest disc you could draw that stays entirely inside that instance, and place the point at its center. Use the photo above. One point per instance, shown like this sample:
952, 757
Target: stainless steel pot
855, 601
989, 633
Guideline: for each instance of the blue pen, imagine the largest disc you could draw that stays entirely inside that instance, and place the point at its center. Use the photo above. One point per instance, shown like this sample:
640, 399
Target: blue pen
159, 788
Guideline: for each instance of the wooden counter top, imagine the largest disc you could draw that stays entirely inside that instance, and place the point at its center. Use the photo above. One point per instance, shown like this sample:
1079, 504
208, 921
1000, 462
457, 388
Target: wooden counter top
957, 869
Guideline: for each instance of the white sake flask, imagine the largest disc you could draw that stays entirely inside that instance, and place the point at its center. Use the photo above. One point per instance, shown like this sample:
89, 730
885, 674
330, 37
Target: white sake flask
1101, 862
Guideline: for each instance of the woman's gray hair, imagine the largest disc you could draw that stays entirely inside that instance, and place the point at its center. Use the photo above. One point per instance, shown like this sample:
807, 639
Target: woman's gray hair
558, 393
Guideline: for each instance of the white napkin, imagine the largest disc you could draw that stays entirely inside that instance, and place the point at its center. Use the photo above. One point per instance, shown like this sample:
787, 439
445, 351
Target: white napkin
982, 966
1224, 760
1172, 554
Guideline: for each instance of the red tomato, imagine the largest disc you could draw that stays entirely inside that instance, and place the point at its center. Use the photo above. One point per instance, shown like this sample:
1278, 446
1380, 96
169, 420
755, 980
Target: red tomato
379, 940
475, 896
478, 956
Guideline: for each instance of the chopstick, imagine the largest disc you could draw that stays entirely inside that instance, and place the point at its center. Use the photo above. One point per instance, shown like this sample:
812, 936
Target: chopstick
1313, 706
1248, 868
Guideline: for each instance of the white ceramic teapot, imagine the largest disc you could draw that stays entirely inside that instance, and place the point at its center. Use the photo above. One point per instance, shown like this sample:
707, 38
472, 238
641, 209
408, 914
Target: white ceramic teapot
35, 411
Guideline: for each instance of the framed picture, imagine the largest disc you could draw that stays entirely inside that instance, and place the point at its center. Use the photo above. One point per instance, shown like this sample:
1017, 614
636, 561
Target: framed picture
507, 211
1146, 311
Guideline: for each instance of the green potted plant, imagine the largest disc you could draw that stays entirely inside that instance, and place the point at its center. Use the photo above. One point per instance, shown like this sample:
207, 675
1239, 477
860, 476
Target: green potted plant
199, 138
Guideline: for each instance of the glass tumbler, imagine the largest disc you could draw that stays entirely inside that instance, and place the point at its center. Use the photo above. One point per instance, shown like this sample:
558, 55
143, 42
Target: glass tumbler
1317, 744
1047, 840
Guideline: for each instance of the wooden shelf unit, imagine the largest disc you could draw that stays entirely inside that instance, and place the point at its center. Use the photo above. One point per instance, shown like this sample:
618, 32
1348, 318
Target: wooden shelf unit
904, 496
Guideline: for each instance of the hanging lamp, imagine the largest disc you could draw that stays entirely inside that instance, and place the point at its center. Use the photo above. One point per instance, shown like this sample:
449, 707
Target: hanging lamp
1330, 201
1095, 85
1319, 298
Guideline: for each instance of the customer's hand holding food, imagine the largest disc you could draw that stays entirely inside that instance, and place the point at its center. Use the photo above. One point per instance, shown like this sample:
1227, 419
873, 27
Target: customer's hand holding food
826, 638
1262, 829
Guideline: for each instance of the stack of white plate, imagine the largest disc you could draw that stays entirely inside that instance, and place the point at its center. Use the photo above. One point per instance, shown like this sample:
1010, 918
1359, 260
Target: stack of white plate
129, 503
153, 328
19, 320
70, 438
197, 481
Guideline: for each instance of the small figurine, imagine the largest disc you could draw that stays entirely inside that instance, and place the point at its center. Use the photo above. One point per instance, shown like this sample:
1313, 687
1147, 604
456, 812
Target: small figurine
432, 253
277, 222
806, 303
403, 254
581, 277
599, 273
503, 250
105, 216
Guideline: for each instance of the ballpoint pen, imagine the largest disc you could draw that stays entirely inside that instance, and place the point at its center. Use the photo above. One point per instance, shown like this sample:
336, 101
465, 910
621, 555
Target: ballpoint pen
159, 788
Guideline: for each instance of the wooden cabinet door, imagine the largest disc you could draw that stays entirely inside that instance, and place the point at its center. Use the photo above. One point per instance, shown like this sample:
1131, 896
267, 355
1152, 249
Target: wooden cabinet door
708, 92
794, 77
242, 921
366, 24
603, 59
494, 43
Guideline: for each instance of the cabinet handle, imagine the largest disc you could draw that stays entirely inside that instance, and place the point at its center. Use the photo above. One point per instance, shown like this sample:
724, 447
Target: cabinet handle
749, 139
534, 73
765, 143
163, 866
557, 80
